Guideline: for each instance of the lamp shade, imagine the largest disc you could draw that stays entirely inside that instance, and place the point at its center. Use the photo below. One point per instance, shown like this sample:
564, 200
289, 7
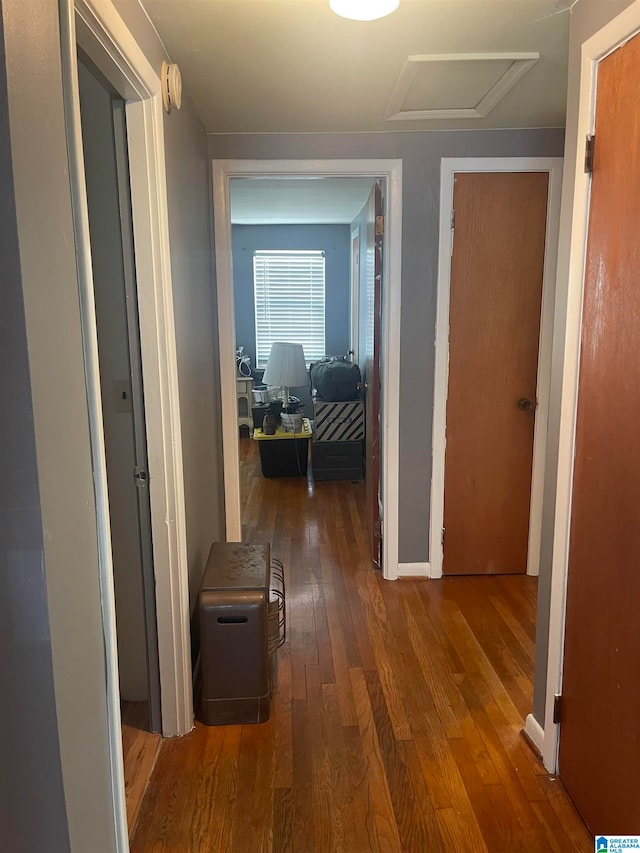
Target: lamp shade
363, 10
286, 366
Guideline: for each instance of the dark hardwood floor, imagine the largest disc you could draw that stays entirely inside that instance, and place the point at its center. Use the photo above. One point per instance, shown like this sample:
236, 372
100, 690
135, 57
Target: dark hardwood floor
397, 715
140, 750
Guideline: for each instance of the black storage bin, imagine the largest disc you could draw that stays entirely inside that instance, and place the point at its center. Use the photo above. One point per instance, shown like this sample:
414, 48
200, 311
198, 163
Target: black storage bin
284, 454
286, 458
337, 460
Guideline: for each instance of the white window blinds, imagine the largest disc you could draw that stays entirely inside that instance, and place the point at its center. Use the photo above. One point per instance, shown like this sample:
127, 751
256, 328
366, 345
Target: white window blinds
289, 302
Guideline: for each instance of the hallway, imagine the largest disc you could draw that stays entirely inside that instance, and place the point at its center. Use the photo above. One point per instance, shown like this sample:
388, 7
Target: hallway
397, 715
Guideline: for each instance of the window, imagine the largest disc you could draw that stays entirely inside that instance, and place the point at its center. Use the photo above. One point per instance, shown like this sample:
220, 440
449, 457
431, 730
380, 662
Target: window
289, 302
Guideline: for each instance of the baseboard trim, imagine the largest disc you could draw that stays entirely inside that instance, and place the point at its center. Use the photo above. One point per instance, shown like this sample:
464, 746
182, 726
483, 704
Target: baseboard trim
414, 570
534, 733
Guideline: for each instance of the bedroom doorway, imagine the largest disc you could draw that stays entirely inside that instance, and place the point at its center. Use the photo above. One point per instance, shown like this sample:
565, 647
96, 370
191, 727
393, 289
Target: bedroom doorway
296, 280
298, 173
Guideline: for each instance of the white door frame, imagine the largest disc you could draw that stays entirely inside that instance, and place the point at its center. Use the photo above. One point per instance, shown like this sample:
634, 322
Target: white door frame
552, 165
98, 29
605, 41
391, 172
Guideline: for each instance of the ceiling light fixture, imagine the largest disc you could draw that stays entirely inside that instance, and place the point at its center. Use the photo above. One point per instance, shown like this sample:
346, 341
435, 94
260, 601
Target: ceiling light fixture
363, 10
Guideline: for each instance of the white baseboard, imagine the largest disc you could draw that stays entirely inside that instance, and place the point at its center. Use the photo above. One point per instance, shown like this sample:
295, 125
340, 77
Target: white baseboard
414, 570
534, 732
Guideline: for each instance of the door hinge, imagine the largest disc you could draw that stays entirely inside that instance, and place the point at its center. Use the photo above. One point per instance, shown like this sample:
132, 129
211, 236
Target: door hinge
442, 537
379, 226
589, 153
140, 476
557, 708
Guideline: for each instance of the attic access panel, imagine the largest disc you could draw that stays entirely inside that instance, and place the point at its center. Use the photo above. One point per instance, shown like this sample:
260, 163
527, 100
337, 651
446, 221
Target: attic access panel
455, 86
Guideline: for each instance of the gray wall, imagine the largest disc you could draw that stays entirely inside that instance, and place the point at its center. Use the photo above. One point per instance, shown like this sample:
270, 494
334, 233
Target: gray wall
587, 17
421, 153
191, 237
195, 309
113, 345
69, 564
32, 809
63, 557
333, 240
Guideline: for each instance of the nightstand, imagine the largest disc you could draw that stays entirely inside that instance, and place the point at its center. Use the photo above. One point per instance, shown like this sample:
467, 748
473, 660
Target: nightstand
244, 387
284, 454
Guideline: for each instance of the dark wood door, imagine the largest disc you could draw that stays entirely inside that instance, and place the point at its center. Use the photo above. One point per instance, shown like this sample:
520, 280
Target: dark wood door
494, 326
373, 314
600, 731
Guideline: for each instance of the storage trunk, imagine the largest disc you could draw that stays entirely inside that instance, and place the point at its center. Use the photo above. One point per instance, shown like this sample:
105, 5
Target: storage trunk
337, 460
338, 421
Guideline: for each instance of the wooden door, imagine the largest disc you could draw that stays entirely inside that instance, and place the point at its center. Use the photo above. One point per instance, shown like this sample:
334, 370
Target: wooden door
372, 297
600, 730
494, 326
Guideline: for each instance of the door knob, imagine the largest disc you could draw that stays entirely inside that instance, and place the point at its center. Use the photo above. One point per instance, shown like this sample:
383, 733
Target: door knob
526, 405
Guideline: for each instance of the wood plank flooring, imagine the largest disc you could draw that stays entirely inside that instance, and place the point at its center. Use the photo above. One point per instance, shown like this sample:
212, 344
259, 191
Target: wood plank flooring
397, 713
140, 750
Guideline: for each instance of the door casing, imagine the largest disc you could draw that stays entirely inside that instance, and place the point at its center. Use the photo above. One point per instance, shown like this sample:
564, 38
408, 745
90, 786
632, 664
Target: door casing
451, 166
370, 361
601, 44
390, 171
99, 30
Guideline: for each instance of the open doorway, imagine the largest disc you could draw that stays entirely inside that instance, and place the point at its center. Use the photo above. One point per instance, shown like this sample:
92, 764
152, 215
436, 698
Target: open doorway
294, 281
108, 192
98, 32
123, 417
389, 180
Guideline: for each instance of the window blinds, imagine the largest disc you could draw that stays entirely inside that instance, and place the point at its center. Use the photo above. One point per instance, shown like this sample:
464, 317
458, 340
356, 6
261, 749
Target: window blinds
289, 302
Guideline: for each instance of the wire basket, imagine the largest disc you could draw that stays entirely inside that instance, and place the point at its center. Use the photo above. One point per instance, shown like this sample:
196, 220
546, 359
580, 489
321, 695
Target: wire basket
276, 619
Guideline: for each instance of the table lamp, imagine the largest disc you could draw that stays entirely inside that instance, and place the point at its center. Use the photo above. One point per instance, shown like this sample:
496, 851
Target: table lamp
287, 368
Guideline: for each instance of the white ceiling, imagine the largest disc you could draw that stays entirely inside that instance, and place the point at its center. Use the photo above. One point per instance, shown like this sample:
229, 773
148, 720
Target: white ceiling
280, 66
289, 201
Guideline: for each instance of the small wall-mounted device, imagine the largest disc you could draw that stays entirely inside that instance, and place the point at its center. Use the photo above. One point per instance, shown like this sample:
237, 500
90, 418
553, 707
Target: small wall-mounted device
171, 84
